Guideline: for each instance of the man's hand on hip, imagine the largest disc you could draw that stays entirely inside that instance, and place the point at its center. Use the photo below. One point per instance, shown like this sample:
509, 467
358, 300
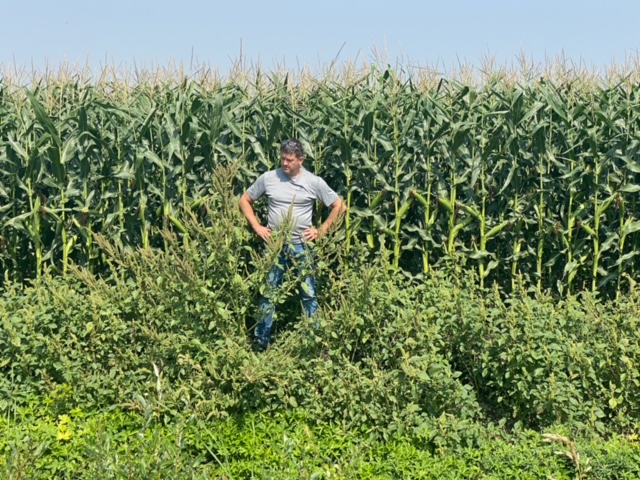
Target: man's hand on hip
263, 232
310, 234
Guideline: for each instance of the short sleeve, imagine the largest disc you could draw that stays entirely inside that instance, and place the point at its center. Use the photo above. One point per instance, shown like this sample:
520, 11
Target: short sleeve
258, 189
325, 193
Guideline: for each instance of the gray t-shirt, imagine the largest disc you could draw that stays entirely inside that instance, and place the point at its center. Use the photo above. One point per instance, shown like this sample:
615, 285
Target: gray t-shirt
296, 195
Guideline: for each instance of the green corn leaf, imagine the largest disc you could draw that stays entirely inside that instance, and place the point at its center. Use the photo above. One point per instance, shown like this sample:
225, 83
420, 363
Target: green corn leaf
44, 119
630, 227
490, 266
629, 188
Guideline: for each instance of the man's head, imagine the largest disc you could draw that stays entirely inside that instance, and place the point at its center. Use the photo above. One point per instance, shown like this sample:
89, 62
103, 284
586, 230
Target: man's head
291, 157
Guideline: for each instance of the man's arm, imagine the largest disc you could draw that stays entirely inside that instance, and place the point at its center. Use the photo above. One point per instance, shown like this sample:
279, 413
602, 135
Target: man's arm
337, 208
246, 206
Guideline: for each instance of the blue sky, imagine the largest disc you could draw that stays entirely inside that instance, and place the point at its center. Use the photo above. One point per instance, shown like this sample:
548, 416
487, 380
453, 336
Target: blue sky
290, 34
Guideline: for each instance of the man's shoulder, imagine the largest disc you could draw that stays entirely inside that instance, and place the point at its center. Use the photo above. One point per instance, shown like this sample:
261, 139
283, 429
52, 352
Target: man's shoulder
271, 174
274, 180
310, 177
320, 187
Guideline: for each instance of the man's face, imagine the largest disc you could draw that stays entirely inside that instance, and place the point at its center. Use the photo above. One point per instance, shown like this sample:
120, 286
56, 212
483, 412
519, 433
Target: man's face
290, 163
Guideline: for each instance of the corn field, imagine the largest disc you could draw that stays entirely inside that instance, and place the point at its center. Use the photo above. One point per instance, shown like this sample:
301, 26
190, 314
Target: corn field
534, 182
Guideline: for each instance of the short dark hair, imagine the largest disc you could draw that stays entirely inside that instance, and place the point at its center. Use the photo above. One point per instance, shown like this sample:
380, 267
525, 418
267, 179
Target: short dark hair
292, 146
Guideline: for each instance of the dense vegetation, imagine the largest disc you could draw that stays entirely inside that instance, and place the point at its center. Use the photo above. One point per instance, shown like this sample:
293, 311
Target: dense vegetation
114, 445
478, 304
534, 181
436, 365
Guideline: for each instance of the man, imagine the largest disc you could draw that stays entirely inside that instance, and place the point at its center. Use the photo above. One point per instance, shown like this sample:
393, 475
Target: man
291, 192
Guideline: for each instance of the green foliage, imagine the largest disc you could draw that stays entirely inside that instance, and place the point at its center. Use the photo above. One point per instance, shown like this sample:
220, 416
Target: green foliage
537, 361
118, 445
167, 331
412, 357
532, 183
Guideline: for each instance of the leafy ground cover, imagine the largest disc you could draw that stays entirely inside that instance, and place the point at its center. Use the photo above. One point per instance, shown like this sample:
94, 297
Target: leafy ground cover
116, 444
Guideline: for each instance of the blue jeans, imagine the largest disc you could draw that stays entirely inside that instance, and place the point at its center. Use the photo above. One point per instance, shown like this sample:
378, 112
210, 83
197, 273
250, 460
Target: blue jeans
298, 256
